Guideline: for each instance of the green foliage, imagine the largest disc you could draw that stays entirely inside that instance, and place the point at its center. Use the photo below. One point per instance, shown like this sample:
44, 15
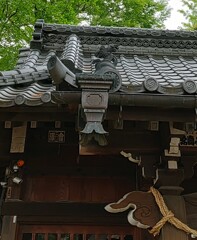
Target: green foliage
17, 18
132, 13
190, 13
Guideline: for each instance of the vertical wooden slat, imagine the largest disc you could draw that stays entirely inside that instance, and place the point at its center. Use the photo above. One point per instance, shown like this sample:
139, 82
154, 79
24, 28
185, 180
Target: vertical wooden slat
82, 229
71, 236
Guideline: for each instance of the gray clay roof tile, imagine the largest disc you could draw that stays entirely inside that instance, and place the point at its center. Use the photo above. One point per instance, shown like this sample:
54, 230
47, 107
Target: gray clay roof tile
160, 61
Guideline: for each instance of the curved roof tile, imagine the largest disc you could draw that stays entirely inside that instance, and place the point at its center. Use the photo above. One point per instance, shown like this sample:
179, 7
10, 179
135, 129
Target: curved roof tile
33, 95
149, 60
63, 28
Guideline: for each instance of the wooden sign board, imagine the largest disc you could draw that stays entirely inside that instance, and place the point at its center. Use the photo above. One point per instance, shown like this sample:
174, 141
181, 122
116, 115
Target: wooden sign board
56, 136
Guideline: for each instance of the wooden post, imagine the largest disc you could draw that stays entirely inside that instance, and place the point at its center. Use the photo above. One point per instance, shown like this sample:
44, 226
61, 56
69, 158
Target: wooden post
177, 205
8, 228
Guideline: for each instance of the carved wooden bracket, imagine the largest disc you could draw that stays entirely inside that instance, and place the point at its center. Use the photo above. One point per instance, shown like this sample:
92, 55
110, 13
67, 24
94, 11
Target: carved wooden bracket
144, 212
94, 104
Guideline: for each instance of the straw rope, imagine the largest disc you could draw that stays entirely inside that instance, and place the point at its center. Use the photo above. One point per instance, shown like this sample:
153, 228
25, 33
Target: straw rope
168, 216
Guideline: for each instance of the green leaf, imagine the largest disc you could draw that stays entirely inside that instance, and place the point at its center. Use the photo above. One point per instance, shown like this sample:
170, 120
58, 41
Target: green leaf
18, 17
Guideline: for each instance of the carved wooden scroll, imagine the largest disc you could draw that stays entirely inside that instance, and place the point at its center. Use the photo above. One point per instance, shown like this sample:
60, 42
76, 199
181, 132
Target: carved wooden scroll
145, 213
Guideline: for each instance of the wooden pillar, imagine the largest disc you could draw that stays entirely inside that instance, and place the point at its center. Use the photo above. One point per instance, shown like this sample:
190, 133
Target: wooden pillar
177, 205
8, 228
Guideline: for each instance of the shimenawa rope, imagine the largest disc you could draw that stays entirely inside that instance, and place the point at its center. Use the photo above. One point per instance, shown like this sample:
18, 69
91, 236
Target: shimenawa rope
168, 216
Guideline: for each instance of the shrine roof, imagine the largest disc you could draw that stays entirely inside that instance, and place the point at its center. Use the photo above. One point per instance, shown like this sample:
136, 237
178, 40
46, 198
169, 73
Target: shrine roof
148, 61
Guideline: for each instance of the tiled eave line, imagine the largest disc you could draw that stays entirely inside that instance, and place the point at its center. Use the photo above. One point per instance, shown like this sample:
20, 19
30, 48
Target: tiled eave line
123, 31
23, 76
34, 95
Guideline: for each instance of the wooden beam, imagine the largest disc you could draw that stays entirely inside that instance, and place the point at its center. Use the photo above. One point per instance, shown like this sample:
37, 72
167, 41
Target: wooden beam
55, 220
135, 99
70, 212
151, 114
37, 116
136, 142
129, 113
52, 209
